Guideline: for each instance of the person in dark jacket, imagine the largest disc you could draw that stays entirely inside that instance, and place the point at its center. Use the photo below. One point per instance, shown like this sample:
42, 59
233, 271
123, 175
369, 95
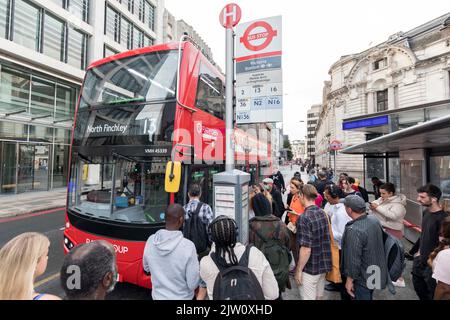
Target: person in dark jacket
428, 196
362, 250
278, 180
266, 224
277, 199
377, 183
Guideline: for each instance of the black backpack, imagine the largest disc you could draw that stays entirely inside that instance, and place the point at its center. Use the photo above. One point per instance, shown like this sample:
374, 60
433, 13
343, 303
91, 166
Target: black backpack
278, 256
395, 259
236, 282
195, 230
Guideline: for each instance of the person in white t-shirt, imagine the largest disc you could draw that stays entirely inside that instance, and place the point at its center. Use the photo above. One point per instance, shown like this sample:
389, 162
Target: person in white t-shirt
441, 273
336, 211
338, 218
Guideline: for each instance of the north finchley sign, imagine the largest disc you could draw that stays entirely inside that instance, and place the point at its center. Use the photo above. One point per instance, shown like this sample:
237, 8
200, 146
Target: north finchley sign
107, 128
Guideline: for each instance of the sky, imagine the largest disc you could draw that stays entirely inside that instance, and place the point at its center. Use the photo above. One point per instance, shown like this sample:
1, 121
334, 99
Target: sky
315, 35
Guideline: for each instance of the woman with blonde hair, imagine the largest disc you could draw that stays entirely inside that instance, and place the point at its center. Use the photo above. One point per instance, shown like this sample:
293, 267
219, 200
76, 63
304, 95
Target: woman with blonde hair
22, 260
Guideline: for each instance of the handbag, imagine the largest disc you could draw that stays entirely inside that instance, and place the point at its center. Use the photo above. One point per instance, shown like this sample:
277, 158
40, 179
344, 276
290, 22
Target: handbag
335, 274
292, 227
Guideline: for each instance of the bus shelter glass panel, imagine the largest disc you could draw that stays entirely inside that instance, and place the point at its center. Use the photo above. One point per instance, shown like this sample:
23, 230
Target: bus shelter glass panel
411, 172
374, 168
440, 174
394, 172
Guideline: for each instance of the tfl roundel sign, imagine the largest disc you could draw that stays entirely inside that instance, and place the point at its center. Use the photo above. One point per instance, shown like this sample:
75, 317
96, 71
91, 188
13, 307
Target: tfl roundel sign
230, 15
336, 145
258, 36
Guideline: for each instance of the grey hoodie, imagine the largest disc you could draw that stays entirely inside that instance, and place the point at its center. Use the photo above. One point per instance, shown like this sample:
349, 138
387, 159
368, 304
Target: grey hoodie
173, 264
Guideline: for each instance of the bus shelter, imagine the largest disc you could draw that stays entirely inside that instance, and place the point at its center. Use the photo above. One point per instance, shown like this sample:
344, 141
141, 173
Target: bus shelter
413, 157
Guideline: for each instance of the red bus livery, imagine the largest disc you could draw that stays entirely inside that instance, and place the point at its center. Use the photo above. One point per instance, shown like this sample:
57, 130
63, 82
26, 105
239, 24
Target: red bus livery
138, 112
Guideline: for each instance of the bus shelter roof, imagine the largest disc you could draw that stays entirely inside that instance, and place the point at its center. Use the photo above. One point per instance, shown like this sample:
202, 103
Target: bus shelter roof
431, 134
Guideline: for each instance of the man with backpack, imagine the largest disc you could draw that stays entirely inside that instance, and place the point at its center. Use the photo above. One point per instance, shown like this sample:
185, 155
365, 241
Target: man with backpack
271, 236
197, 219
233, 271
363, 266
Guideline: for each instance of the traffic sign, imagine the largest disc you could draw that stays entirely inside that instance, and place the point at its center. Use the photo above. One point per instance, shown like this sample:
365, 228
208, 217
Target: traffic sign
230, 15
336, 145
266, 34
259, 80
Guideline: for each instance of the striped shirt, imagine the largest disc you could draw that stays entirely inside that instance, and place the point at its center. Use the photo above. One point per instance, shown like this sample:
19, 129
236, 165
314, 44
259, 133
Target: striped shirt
362, 250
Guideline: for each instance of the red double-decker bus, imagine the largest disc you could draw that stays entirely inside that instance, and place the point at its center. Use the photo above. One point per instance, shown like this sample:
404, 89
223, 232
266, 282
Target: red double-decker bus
139, 112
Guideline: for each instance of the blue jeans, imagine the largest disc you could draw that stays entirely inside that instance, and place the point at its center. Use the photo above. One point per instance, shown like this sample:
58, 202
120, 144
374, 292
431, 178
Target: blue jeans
362, 293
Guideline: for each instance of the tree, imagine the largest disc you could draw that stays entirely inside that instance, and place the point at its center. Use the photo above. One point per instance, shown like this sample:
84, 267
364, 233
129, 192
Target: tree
288, 147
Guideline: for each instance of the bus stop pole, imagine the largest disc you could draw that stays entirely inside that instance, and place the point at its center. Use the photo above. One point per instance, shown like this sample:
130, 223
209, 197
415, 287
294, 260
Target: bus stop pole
229, 151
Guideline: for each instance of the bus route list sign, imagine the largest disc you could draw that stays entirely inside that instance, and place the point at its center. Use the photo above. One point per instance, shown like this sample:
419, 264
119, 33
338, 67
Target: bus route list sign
259, 88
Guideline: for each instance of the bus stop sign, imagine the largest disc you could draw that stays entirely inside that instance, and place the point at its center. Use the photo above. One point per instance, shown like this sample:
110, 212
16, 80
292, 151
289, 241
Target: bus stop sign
230, 15
336, 145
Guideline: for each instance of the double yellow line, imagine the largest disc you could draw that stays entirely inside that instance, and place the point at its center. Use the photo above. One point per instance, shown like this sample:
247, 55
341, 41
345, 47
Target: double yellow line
48, 279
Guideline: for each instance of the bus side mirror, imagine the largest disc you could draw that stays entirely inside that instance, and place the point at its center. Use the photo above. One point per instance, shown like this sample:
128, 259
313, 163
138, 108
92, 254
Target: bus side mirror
173, 177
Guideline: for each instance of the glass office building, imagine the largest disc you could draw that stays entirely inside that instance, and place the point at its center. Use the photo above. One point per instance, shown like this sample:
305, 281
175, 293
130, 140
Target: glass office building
36, 114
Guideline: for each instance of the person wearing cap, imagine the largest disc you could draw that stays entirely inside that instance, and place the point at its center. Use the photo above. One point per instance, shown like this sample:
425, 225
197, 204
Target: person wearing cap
363, 261
277, 199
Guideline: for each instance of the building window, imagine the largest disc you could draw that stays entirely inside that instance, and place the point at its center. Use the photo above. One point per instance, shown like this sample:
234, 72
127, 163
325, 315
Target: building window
14, 90
138, 38
380, 64
79, 8
382, 100
129, 4
141, 10
4, 18
126, 33
66, 98
107, 51
112, 24
27, 25
77, 49
148, 41
149, 15
42, 97
53, 37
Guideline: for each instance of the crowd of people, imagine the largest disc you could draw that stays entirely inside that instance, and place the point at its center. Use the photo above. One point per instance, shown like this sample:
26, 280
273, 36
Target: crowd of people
327, 236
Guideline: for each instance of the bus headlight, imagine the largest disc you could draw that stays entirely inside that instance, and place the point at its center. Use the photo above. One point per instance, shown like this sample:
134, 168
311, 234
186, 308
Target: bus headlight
69, 245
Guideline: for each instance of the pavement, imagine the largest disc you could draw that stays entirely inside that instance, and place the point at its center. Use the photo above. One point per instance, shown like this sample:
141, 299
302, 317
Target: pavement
30, 202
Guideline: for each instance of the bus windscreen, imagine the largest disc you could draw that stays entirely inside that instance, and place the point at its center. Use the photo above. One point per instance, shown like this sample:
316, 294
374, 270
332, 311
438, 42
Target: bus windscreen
140, 78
